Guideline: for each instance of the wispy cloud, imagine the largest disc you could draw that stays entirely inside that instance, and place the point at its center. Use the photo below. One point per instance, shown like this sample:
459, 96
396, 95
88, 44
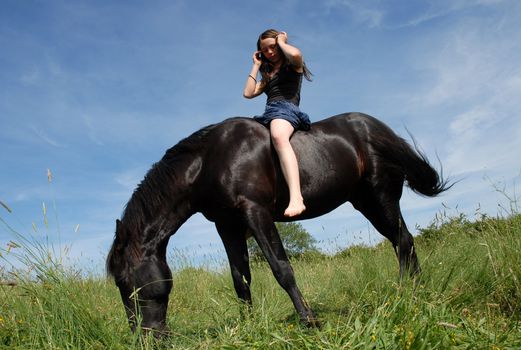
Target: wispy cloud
442, 8
92, 131
75, 78
362, 11
31, 77
42, 135
475, 74
130, 178
399, 14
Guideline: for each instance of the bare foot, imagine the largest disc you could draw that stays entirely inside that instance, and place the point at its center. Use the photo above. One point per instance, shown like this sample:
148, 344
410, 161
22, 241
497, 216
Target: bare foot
294, 209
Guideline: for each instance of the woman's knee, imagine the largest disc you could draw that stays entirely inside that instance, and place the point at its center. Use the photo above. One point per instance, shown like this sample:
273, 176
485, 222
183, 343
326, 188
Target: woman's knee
279, 140
280, 131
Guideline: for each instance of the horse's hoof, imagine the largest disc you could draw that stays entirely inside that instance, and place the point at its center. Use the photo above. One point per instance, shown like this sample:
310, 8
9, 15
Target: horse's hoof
311, 322
158, 333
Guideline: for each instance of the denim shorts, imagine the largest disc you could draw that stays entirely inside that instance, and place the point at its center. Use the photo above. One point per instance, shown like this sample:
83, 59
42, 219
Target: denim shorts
287, 111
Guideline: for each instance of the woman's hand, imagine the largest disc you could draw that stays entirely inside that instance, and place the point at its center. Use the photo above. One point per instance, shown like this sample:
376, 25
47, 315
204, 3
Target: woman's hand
292, 53
257, 58
282, 37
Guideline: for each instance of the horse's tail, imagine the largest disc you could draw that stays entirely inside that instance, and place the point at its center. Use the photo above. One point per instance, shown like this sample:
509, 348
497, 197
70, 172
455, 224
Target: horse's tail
398, 156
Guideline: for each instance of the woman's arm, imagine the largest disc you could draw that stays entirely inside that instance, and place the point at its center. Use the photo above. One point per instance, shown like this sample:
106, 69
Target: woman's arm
252, 88
292, 53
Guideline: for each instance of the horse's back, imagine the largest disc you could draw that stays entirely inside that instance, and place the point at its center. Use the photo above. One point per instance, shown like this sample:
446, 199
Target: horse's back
326, 123
242, 162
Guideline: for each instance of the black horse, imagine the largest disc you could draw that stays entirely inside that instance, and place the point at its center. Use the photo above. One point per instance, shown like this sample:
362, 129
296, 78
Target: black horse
230, 173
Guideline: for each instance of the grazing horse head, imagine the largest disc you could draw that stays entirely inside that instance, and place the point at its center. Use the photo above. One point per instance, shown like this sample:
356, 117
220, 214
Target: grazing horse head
144, 282
230, 173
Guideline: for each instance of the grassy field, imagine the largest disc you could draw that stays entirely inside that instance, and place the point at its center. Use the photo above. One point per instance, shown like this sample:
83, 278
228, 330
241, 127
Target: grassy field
468, 297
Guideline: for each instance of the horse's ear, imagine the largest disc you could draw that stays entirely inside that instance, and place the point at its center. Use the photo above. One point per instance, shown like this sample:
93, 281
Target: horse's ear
119, 230
119, 225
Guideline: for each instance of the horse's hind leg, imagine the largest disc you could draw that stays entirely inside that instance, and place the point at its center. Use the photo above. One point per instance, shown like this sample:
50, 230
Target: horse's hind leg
233, 235
382, 209
406, 251
260, 222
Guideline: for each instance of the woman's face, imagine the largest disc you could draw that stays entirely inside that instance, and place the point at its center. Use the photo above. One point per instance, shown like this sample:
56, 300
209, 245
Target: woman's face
270, 49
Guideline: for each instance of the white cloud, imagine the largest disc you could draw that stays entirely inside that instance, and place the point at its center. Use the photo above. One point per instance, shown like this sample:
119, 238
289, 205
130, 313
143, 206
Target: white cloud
441, 8
395, 14
45, 137
136, 86
130, 178
362, 12
30, 77
475, 72
91, 130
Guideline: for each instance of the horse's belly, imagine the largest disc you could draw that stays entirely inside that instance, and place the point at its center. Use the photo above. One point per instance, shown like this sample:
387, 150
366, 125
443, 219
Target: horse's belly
327, 190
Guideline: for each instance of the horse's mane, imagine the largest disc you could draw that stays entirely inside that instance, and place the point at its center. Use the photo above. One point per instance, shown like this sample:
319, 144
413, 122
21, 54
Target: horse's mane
156, 191
157, 185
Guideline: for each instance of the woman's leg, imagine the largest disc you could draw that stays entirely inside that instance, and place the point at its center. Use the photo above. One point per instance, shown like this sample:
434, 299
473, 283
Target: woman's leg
281, 130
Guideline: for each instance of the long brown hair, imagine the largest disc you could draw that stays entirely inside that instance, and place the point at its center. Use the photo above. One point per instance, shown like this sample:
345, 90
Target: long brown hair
266, 66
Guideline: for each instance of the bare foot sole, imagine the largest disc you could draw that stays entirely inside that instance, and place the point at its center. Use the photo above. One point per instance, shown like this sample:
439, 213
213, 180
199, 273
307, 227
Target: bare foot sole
294, 209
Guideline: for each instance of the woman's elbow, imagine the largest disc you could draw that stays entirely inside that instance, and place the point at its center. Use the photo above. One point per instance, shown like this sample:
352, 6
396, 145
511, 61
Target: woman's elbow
295, 57
247, 95
295, 54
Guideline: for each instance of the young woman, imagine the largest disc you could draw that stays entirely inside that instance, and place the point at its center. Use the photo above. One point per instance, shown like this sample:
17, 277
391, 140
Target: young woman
281, 67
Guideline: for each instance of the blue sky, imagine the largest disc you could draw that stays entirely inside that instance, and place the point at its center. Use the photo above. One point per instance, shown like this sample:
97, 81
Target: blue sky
96, 91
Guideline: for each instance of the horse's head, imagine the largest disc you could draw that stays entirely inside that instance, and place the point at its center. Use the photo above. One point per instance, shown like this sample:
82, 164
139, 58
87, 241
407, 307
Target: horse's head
144, 282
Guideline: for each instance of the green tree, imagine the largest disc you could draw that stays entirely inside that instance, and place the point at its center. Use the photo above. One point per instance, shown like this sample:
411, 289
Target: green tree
295, 238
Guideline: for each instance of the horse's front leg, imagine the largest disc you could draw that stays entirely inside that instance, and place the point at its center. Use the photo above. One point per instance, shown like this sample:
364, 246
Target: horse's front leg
233, 235
265, 232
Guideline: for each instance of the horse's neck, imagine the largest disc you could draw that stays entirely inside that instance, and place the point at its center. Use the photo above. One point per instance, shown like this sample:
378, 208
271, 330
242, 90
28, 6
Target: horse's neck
163, 202
166, 223
150, 233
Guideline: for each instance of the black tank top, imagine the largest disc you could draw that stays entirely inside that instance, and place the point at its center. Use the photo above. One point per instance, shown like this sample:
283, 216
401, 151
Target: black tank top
284, 85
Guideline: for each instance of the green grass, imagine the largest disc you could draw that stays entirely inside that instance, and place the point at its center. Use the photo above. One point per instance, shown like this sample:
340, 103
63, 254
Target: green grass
468, 297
